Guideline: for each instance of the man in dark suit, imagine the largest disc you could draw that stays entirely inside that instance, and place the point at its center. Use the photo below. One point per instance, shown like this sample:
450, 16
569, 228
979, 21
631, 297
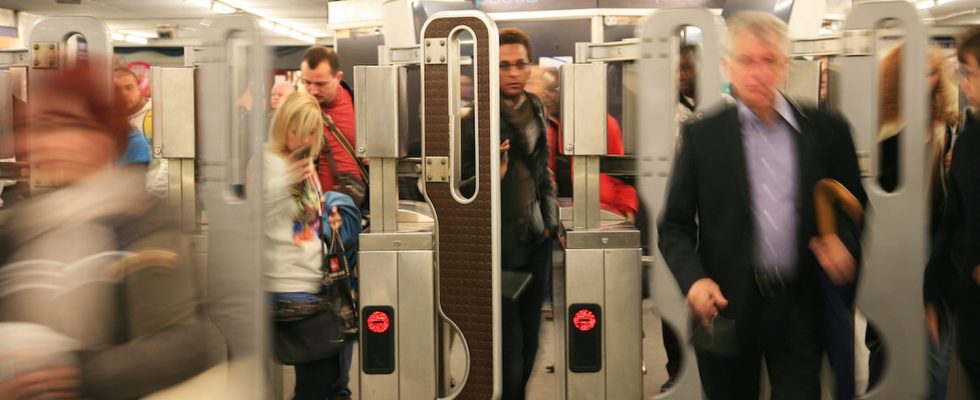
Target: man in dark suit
738, 229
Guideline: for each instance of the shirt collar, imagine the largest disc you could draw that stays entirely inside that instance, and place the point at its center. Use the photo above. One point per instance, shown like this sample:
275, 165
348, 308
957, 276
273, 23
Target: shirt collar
782, 107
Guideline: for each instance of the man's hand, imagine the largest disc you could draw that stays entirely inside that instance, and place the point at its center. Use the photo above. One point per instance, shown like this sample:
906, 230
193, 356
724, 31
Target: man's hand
976, 274
932, 323
51, 383
706, 300
834, 258
504, 158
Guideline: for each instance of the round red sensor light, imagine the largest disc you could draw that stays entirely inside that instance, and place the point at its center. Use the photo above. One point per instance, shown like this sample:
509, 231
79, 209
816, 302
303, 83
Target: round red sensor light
584, 320
378, 322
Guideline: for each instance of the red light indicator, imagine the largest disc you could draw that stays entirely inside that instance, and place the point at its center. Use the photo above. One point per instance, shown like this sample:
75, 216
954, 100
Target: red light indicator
584, 320
378, 322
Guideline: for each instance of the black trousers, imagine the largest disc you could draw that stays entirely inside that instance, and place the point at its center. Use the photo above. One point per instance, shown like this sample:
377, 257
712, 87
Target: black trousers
965, 302
521, 322
786, 329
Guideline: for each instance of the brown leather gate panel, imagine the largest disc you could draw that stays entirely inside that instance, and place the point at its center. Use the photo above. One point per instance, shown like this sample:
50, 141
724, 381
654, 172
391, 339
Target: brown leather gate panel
466, 250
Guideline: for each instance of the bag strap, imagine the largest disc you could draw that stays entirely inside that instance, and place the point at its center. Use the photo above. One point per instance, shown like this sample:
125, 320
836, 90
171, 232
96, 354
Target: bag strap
327, 120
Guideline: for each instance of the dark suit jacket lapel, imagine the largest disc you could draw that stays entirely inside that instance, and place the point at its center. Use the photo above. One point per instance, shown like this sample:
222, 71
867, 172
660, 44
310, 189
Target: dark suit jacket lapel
732, 147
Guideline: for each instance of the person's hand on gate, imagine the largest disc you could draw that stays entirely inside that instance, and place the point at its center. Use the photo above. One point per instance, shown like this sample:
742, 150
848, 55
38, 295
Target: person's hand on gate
834, 257
705, 300
504, 158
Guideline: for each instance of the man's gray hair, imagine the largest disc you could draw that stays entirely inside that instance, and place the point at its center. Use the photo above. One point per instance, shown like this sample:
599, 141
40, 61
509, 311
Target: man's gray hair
762, 25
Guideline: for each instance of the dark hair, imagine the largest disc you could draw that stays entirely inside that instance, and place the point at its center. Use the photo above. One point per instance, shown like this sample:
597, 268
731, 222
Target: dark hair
118, 71
101, 112
517, 36
318, 54
969, 45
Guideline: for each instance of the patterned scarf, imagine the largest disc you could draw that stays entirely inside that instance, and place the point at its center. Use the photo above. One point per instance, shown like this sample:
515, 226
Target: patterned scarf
309, 201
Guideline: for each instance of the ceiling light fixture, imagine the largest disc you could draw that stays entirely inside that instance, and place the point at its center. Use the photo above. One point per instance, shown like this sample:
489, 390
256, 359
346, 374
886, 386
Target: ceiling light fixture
275, 24
137, 39
222, 8
924, 4
302, 37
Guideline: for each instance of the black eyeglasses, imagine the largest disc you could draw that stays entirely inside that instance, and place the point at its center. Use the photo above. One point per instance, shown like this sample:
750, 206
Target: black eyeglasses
504, 66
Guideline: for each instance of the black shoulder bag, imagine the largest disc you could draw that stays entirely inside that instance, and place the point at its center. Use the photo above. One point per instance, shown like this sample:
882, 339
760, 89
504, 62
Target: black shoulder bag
345, 182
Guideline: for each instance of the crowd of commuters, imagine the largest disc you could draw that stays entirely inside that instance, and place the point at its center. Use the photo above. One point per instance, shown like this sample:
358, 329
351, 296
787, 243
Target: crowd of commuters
738, 229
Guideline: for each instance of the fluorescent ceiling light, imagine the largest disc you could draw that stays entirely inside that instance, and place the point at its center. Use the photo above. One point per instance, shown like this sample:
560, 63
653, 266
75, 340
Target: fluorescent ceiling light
222, 8
137, 39
140, 34
303, 38
267, 24
283, 30
825, 31
118, 37
924, 4
941, 2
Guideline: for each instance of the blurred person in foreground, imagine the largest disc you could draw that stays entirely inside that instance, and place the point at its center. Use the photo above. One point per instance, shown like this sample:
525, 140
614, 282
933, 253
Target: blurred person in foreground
942, 120
738, 229
98, 297
952, 277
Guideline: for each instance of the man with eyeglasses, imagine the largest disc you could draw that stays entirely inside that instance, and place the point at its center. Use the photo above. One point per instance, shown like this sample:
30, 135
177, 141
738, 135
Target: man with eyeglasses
529, 210
738, 228
953, 273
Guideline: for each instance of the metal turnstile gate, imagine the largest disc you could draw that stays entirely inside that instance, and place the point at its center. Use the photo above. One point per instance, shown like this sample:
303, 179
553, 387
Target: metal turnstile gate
598, 293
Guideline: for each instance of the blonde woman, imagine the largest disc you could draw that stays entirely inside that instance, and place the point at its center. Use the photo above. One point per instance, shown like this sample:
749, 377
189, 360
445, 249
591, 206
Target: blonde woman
293, 204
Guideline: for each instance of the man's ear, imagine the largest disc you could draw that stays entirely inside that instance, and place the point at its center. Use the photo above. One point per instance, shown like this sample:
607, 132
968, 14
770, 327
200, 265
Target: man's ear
340, 75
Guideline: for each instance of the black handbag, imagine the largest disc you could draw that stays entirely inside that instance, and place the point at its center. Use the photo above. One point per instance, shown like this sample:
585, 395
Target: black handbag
306, 331
316, 337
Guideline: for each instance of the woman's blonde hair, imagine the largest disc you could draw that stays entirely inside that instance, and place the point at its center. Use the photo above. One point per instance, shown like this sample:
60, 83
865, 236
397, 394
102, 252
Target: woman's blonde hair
941, 98
299, 110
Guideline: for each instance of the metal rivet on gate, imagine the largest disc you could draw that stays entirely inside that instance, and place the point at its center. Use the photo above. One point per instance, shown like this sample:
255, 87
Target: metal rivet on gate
442, 59
443, 162
428, 59
37, 63
442, 42
428, 177
605, 240
442, 178
51, 63
50, 47
427, 43
428, 162
569, 147
397, 243
37, 47
360, 149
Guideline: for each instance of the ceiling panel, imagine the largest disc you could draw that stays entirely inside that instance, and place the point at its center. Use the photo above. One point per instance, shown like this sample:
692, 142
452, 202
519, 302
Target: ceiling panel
143, 16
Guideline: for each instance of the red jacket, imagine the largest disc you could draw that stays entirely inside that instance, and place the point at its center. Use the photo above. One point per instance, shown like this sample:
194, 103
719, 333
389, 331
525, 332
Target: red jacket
614, 194
341, 110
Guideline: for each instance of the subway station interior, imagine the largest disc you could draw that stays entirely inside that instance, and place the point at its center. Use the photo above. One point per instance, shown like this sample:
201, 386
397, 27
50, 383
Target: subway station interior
344, 199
